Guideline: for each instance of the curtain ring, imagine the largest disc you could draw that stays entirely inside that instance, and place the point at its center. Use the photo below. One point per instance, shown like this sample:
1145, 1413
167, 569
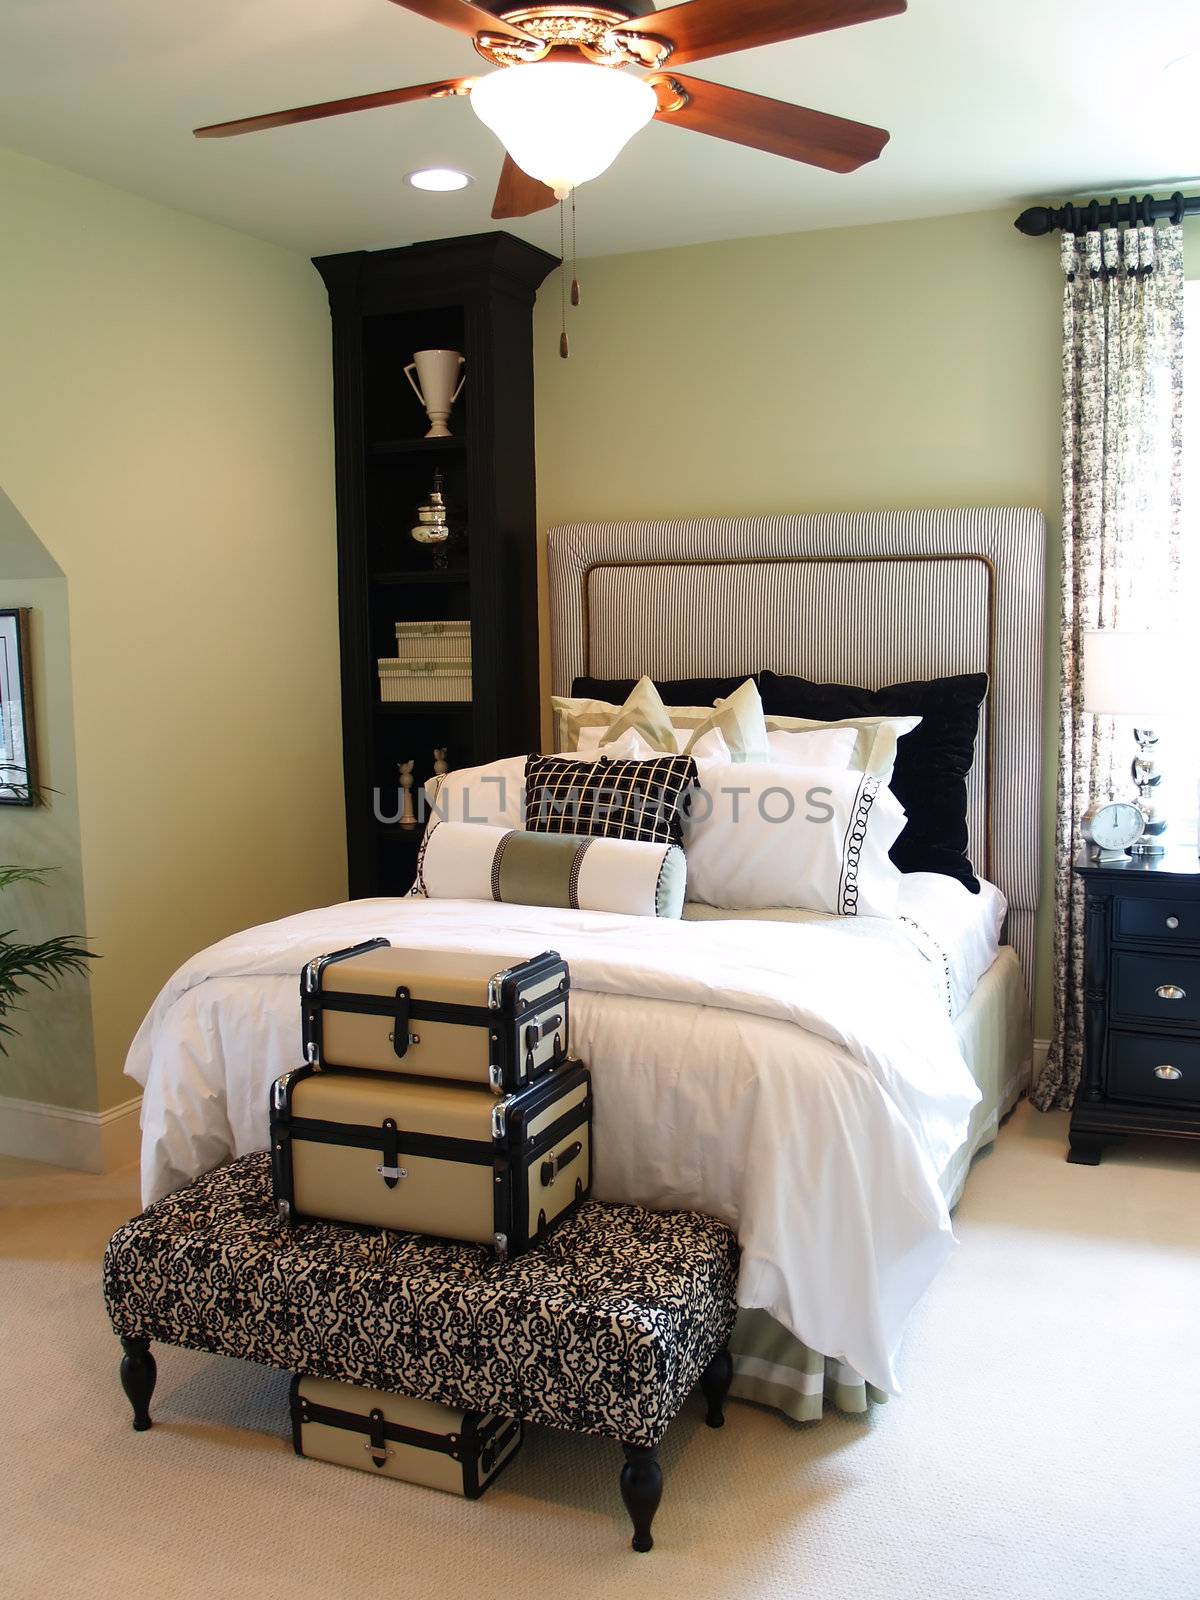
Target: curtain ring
1147, 212
1177, 207
1114, 212
1069, 218
1093, 216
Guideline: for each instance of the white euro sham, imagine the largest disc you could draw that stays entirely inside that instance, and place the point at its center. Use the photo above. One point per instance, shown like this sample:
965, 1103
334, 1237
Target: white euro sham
761, 836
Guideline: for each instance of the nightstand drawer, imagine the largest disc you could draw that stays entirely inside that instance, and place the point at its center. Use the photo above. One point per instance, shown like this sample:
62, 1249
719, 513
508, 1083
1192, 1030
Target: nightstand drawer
1161, 1070
1165, 987
1177, 922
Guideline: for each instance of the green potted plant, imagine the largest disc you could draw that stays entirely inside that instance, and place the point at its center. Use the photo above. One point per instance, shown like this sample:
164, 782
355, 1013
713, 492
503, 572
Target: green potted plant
46, 963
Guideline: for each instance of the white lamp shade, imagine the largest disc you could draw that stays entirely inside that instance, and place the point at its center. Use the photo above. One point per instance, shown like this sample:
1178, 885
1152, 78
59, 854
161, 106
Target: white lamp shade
563, 122
1128, 674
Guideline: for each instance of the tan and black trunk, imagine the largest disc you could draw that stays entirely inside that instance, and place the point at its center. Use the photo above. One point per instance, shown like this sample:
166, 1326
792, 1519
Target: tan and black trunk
446, 1159
436, 1013
392, 1436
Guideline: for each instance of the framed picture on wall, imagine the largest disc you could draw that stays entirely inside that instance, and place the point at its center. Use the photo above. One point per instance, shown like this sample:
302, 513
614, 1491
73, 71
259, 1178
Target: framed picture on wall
18, 758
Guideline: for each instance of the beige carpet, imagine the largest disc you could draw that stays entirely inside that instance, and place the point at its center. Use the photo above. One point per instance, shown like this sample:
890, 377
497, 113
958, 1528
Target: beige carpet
1047, 1445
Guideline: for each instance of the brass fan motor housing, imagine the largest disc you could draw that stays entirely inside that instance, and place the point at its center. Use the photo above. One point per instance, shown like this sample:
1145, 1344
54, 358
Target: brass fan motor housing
586, 30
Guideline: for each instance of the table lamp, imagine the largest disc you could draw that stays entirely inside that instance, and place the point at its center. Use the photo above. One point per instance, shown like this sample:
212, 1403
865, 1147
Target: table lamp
1129, 674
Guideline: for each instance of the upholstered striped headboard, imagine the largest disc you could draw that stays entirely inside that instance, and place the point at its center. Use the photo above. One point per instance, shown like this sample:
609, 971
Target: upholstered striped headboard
868, 598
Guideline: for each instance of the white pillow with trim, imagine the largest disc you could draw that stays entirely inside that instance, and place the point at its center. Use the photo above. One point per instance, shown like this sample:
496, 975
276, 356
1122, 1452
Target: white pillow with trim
811, 838
630, 877
819, 747
876, 738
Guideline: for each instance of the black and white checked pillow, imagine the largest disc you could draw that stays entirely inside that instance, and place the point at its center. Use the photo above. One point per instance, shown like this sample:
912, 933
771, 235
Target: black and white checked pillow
609, 799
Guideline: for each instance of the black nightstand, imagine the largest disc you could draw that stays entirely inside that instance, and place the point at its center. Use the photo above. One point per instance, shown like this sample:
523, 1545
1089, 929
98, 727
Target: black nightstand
1141, 1002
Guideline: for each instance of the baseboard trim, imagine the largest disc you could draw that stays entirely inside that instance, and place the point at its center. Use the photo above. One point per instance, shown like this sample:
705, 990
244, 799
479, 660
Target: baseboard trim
1037, 1061
84, 1141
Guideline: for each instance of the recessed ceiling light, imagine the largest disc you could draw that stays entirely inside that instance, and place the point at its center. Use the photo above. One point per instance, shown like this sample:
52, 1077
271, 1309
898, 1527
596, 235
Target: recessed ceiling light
439, 179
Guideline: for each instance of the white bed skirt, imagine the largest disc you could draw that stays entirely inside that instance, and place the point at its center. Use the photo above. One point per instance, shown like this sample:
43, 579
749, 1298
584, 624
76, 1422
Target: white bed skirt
774, 1368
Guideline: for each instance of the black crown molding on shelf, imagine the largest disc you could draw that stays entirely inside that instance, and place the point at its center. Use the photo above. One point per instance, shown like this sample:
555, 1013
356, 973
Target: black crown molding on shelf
477, 264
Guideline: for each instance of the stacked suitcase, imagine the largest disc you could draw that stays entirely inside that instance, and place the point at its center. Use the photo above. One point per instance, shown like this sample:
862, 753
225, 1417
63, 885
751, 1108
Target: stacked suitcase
437, 1097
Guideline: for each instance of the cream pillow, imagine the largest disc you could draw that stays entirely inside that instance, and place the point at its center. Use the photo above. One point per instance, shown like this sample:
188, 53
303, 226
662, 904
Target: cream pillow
583, 724
644, 714
586, 724
739, 720
874, 747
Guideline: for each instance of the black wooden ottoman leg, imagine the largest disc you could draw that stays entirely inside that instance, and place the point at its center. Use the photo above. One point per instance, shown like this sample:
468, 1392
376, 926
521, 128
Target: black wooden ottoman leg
715, 1381
641, 1490
138, 1374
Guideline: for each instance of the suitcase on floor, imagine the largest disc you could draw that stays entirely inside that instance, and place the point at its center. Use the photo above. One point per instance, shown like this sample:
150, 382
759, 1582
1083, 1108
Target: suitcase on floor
447, 1159
395, 1437
436, 1013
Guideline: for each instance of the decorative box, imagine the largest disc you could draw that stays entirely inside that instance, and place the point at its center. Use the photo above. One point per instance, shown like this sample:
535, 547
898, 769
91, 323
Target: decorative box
424, 680
433, 641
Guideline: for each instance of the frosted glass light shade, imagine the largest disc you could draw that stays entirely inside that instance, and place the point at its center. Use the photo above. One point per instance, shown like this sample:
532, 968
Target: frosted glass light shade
563, 122
1128, 674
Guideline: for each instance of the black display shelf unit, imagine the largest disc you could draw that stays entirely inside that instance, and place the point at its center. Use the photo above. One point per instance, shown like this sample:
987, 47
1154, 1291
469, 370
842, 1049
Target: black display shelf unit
475, 295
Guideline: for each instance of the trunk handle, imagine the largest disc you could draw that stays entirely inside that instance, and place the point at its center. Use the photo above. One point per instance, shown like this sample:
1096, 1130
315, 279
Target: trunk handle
552, 1167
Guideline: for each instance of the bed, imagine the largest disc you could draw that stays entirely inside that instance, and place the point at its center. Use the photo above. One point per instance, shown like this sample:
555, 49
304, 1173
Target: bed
821, 1083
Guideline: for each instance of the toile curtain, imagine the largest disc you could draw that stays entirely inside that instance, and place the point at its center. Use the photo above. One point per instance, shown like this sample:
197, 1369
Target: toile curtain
1122, 459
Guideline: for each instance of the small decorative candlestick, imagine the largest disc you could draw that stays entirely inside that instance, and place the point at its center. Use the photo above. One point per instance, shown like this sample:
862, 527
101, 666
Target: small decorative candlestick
432, 525
440, 765
408, 817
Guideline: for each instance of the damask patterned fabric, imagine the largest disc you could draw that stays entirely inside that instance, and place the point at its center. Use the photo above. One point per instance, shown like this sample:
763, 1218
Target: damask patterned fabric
605, 1328
1122, 420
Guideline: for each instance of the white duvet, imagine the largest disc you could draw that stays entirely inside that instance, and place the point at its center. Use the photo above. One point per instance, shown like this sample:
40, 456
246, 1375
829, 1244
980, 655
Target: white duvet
801, 1081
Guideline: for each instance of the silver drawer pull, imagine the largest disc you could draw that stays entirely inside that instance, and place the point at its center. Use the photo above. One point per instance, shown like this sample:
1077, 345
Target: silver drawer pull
1168, 1073
1170, 991
1172, 923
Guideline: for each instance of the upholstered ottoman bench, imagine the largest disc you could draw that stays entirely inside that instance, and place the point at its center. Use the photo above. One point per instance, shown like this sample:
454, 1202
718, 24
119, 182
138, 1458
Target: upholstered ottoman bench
604, 1329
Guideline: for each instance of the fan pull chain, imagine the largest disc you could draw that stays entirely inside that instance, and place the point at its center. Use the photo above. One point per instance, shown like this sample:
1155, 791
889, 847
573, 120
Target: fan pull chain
563, 346
574, 258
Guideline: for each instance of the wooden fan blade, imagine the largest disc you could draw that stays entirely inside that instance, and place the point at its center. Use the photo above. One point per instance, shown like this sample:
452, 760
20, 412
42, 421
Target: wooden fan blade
772, 125
702, 28
519, 195
463, 17
337, 108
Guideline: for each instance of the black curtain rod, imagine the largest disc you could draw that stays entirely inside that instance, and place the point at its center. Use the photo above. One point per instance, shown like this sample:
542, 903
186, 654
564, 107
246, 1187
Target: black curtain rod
1039, 220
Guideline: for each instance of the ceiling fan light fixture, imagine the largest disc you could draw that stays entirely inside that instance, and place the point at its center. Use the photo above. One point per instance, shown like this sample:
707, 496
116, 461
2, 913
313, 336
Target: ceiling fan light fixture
438, 180
563, 122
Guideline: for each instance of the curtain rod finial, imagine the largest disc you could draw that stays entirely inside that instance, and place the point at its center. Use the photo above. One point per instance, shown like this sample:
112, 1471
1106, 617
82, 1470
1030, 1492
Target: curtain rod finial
1035, 222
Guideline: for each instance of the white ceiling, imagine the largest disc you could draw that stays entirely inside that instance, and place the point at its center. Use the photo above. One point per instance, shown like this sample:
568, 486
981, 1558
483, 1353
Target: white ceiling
989, 103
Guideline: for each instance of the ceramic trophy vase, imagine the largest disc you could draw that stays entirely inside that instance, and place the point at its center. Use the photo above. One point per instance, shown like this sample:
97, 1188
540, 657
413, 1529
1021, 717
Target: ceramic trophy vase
437, 385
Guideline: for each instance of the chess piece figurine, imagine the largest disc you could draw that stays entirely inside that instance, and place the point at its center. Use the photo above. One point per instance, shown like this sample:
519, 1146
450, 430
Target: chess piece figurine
440, 765
408, 817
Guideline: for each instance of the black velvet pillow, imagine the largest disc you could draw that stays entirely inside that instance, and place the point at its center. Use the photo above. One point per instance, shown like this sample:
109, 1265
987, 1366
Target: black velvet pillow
932, 762
682, 692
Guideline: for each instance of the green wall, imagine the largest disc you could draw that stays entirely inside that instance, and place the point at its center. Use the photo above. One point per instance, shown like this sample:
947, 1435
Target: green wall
166, 430
901, 365
52, 1058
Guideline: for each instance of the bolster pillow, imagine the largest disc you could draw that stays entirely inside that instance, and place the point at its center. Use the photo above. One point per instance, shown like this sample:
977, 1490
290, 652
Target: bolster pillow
467, 861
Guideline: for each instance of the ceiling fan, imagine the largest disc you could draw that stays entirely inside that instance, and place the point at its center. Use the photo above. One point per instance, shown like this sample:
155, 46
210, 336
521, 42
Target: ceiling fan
565, 105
